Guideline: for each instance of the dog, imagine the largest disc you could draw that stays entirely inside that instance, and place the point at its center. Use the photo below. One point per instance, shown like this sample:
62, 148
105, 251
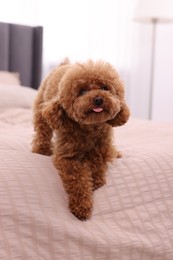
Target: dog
74, 112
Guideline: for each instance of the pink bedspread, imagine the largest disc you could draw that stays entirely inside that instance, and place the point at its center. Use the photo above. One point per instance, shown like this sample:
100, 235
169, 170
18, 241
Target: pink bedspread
133, 212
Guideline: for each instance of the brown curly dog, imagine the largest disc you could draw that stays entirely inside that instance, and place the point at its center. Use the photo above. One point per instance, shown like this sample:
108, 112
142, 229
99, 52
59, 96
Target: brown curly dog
74, 112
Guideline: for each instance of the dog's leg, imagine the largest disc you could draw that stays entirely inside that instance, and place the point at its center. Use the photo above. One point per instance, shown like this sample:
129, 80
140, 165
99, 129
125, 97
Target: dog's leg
98, 174
43, 134
77, 181
97, 168
97, 161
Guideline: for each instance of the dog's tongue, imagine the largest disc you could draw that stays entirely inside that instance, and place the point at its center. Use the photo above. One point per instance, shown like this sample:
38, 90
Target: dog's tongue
98, 109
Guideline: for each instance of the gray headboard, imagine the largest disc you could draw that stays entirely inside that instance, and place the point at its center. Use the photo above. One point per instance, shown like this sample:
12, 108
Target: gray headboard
21, 51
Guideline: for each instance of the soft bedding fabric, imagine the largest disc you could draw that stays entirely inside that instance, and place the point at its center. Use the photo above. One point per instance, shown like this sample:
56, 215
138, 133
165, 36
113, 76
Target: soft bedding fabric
133, 212
9, 78
16, 96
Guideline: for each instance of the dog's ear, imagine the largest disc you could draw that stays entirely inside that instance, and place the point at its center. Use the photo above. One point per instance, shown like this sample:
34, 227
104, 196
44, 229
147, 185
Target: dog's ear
53, 113
121, 118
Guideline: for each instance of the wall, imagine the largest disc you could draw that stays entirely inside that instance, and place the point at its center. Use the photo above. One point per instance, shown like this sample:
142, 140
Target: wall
139, 83
163, 84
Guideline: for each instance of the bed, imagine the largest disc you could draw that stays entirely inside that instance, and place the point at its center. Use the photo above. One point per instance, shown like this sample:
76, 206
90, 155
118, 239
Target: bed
133, 213
21, 51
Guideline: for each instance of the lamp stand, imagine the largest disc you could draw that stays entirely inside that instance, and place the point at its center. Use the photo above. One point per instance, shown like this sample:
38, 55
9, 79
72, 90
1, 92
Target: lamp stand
153, 45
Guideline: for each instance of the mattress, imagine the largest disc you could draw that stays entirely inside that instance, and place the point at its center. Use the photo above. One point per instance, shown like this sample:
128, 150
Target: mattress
133, 213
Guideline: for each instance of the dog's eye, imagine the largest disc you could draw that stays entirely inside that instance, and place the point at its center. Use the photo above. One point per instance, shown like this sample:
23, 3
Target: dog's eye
82, 91
104, 87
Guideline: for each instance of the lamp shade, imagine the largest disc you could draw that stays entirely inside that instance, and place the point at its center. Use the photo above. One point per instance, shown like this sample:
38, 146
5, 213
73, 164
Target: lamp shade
149, 10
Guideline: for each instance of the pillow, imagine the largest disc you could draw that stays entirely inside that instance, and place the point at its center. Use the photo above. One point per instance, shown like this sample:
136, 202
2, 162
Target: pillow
9, 78
18, 96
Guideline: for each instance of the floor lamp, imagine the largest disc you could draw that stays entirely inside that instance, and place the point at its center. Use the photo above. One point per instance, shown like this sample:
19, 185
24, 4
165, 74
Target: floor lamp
153, 12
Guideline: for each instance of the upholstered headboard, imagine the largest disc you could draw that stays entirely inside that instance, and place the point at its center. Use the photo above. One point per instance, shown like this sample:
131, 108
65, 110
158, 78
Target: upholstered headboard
21, 51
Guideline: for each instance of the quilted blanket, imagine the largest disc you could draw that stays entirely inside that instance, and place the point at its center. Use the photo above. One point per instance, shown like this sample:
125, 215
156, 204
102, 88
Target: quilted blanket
133, 213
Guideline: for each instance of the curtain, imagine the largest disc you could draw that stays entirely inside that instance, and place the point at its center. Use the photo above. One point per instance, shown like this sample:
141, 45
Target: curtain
78, 29
86, 29
83, 29
89, 29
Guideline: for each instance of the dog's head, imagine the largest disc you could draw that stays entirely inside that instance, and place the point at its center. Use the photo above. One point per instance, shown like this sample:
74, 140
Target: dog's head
92, 93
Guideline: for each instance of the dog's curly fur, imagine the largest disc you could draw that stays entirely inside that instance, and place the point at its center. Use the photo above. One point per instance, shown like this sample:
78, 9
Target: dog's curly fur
78, 104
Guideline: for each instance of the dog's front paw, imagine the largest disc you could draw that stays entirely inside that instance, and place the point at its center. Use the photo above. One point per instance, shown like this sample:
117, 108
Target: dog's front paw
82, 213
42, 150
81, 210
119, 154
99, 182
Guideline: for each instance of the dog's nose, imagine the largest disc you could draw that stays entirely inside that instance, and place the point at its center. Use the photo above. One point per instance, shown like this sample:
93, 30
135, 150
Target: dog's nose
98, 101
